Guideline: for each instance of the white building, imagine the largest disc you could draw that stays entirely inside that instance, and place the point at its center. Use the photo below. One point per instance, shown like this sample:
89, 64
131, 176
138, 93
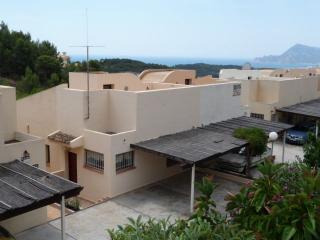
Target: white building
88, 137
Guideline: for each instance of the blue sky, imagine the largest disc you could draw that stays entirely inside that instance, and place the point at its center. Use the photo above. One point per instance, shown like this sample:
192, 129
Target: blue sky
170, 28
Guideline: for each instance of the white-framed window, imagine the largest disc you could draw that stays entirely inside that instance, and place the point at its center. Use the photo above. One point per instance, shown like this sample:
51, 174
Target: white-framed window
236, 90
94, 160
257, 115
124, 161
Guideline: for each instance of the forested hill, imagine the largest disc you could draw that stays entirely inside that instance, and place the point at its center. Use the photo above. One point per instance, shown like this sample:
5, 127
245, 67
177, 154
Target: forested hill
28, 64
32, 65
204, 69
128, 65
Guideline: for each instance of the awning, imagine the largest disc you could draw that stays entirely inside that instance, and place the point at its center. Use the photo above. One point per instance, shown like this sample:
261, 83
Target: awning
230, 125
61, 137
207, 142
24, 188
308, 109
191, 146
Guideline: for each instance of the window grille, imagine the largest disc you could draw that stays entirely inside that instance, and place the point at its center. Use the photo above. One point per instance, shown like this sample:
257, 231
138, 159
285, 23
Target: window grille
94, 160
124, 161
257, 115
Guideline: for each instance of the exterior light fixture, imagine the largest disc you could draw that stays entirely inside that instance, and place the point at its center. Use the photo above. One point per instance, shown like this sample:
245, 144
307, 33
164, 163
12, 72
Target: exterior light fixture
273, 136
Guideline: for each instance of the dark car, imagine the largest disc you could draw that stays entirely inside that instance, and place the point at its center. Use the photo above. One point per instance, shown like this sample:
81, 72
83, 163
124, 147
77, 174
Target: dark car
299, 134
236, 161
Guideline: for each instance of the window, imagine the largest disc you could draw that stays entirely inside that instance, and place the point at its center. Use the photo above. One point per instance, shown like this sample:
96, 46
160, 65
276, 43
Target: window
108, 86
257, 115
187, 81
236, 90
94, 160
124, 161
47, 154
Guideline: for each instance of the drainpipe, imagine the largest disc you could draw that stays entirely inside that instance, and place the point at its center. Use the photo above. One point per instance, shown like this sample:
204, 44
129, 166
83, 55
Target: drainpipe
63, 230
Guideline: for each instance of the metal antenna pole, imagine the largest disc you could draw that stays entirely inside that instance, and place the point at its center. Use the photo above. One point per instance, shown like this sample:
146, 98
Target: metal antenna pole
87, 46
88, 87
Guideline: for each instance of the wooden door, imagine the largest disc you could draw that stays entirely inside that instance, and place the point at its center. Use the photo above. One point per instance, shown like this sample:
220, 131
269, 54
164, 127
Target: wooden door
72, 161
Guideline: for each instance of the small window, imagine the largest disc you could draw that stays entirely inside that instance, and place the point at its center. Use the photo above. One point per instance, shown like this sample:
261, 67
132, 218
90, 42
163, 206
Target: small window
126, 88
236, 90
249, 77
47, 154
257, 115
94, 160
124, 161
281, 75
187, 81
108, 86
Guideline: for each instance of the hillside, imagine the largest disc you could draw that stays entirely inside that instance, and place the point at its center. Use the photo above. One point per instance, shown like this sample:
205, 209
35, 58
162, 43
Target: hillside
297, 54
204, 69
116, 65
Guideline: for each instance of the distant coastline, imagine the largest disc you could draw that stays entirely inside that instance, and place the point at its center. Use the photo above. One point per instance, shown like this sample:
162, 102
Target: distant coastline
171, 61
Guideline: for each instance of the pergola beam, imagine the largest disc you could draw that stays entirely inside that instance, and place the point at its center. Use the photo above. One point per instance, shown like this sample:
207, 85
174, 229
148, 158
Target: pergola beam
283, 145
193, 175
63, 227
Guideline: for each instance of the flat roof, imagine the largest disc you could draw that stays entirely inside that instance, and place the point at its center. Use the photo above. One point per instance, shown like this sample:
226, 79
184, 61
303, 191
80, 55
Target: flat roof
207, 142
24, 188
309, 109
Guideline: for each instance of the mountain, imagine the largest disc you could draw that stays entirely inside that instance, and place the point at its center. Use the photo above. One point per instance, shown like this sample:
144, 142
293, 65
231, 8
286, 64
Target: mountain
297, 54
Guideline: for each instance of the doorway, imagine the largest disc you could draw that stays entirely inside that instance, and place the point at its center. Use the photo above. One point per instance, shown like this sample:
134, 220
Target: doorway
72, 161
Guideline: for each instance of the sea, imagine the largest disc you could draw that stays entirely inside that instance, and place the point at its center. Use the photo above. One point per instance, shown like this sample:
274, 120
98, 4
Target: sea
172, 61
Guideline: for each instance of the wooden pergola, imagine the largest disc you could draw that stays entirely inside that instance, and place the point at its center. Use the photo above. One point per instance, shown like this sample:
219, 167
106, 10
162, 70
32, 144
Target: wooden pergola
24, 188
310, 109
205, 143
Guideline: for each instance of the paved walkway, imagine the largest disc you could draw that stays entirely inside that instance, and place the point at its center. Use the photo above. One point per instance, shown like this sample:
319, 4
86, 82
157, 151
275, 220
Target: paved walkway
161, 200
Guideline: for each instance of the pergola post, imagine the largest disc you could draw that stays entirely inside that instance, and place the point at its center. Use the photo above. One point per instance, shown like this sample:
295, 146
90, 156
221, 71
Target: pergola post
63, 230
283, 145
193, 174
317, 129
248, 158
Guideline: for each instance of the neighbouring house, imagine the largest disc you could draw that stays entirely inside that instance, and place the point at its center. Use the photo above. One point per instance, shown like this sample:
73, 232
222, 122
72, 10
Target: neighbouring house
88, 134
264, 91
24, 147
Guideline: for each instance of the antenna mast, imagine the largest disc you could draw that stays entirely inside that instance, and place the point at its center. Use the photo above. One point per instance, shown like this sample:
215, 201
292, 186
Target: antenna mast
87, 46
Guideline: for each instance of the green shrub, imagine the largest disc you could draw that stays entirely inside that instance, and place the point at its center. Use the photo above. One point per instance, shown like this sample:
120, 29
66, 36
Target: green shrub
256, 138
73, 203
311, 150
274, 212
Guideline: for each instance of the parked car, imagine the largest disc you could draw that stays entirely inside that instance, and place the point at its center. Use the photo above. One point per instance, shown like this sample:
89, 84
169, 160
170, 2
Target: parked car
236, 161
5, 235
299, 134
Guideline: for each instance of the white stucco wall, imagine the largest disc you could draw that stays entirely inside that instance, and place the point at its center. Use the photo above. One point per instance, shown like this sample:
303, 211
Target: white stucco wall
11, 151
134, 116
8, 118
